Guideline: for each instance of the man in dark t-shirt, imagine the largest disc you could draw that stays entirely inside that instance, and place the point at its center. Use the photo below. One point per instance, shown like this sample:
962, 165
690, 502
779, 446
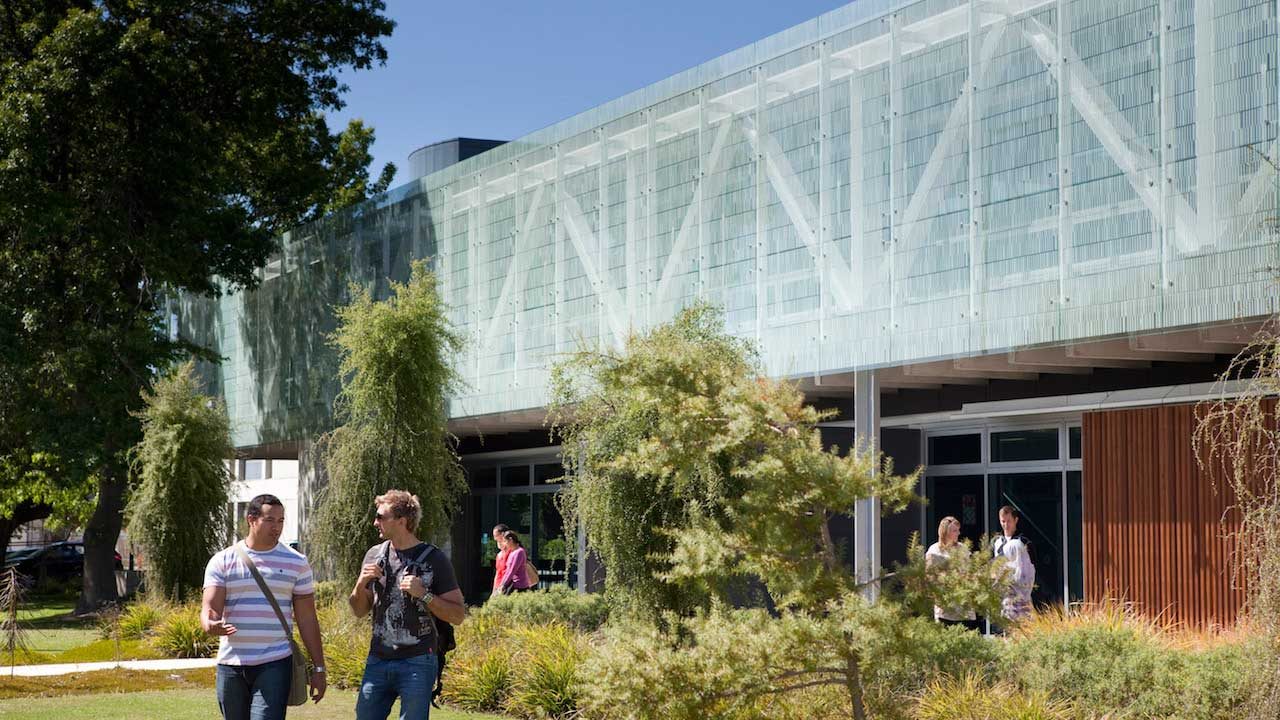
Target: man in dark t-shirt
404, 582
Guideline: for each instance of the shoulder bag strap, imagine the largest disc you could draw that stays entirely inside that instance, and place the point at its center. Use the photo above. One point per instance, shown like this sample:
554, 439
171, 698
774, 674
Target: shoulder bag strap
262, 584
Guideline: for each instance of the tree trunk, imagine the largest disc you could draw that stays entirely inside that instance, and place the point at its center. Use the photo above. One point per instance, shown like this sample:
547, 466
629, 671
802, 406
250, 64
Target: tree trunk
853, 683
100, 537
25, 512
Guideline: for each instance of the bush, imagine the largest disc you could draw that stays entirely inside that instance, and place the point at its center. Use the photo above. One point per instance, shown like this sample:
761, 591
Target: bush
332, 592
1112, 661
477, 675
179, 634
346, 643
970, 697
134, 621
547, 684
585, 612
526, 670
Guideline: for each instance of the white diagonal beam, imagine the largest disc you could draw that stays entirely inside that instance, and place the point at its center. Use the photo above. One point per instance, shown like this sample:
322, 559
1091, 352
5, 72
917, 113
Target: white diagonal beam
687, 225
799, 207
514, 279
1254, 199
1113, 131
950, 136
582, 238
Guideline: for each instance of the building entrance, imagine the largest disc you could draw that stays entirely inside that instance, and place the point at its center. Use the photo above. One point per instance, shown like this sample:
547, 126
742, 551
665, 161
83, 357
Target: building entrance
972, 473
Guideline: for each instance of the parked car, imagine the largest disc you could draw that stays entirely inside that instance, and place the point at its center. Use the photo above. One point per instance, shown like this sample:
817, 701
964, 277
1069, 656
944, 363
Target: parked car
60, 562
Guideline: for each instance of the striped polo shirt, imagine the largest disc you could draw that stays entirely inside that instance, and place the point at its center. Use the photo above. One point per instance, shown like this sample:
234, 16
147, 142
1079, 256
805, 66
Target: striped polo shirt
258, 638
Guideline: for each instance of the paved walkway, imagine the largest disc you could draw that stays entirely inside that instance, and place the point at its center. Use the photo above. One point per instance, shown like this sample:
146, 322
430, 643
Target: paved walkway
68, 668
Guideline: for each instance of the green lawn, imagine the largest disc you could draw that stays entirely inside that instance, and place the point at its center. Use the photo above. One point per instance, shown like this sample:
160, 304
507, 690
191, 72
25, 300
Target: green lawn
51, 627
183, 705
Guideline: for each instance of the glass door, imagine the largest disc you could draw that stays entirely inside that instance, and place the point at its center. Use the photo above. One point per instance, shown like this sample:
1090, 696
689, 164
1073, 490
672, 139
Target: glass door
1037, 496
959, 496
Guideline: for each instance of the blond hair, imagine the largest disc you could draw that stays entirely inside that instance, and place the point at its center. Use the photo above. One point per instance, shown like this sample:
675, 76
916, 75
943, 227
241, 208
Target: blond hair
403, 505
943, 524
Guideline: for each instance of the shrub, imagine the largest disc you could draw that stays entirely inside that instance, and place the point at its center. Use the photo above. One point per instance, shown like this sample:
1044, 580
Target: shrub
332, 592
136, 620
179, 634
346, 643
585, 612
478, 673
970, 697
1112, 661
546, 683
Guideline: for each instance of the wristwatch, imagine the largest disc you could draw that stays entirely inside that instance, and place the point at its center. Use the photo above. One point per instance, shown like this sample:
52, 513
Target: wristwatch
317, 669
426, 599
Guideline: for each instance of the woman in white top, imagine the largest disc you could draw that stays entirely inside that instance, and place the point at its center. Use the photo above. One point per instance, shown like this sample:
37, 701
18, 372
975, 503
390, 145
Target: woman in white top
937, 556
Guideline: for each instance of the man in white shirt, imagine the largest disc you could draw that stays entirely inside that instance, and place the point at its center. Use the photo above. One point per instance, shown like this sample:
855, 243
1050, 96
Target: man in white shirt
1015, 549
254, 655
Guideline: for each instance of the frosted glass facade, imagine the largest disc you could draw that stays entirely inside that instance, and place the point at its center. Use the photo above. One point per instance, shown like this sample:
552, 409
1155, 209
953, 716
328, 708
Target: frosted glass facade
888, 183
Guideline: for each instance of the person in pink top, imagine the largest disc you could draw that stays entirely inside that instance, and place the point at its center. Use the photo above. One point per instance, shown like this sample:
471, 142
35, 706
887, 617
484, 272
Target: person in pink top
500, 562
514, 577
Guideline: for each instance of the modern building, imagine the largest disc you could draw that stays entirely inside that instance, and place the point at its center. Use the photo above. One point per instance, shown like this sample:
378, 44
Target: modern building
1014, 239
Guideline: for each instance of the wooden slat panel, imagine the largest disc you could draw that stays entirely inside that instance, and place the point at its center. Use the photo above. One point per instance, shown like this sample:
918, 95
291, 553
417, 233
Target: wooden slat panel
1153, 528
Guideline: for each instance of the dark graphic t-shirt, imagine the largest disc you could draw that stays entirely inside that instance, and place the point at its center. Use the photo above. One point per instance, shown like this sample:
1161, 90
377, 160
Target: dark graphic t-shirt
403, 627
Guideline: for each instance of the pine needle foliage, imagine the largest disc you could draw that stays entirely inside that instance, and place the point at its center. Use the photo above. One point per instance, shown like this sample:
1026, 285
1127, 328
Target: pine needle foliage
177, 510
694, 476
397, 375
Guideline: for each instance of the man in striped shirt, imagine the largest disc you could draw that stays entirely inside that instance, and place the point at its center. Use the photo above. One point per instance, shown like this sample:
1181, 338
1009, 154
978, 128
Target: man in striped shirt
254, 655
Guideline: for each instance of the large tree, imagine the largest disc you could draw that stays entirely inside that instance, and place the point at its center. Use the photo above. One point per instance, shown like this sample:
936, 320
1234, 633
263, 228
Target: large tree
149, 146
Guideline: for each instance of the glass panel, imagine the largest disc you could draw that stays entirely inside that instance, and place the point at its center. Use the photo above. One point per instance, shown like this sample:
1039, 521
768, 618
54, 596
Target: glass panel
959, 497
549, 473
516, 511
1073, 443
1024, 445
514, 476
486, 507
955, 449
1038, 498
255, 469
482, 478
553, 542
1075, 548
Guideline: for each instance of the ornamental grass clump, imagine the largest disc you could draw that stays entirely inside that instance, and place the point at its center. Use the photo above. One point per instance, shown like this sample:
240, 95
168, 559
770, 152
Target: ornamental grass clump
179, 635
1111, 660
547, 667
970, 696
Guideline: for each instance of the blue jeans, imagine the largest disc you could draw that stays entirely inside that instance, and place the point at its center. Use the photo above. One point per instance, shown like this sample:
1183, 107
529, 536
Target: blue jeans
255, 692
411, 679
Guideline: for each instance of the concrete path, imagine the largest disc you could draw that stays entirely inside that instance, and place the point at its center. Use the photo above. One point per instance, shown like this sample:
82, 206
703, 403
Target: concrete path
67, 668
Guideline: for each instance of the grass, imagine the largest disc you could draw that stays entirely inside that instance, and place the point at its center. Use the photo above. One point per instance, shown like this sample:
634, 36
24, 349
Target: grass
185, 704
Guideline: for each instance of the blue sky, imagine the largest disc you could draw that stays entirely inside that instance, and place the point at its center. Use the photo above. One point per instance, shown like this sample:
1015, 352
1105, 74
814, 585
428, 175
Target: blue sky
502, 69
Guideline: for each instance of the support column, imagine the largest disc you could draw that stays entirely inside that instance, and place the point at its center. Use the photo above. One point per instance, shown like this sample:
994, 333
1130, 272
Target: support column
557, 239
1206, 133
701, 181
895, 159
866, 514
1065, 226
824, 182
761, 194
975, 199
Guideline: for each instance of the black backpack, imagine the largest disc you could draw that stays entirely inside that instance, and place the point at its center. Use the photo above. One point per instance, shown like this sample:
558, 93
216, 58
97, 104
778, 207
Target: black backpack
445, 640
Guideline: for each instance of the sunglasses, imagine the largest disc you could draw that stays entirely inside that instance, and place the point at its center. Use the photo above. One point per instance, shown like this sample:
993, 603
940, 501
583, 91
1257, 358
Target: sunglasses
384, 516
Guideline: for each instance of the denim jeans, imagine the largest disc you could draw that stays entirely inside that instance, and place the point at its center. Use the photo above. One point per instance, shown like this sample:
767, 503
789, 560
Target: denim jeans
411, 679
255, 692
